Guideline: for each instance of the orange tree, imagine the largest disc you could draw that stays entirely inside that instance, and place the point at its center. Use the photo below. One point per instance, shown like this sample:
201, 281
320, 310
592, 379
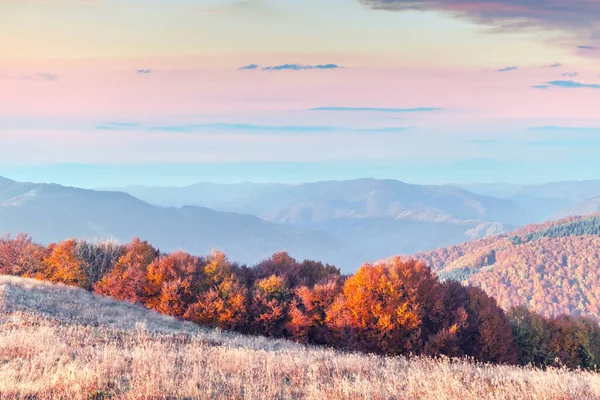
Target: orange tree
64, 265
173, 282
127, 280
384, 307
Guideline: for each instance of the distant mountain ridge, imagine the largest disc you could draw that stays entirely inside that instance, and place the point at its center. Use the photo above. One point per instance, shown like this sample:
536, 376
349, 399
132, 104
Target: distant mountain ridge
547, 201
581, 208
363, 220
371, 218
51, 212
327, 200
341, 222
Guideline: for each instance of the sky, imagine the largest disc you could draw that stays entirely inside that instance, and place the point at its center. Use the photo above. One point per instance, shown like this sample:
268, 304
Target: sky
104, 93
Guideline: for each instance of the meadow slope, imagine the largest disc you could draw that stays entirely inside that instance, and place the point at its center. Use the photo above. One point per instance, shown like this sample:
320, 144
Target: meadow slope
63, 342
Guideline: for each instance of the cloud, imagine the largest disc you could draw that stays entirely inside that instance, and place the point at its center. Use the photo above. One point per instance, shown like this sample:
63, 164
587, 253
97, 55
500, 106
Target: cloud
573, 85
234, 6
507, 69
377, 109
555, 65
570, 74
541, 86
144, 71
484, 142
251, 66
579, 16
556, 128
584, 143
117, 125
123, 124
290, 67
588, 50
226, 127
35, 77
47, 77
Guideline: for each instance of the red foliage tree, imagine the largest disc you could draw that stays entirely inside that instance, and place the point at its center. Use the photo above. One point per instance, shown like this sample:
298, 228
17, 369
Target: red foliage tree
20, 256
173, 282
127, 280
222, 302
488, 335
308, 312
270, 301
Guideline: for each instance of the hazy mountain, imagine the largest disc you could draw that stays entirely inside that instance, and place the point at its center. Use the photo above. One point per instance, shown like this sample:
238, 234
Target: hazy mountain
202, 194
325, 201
500, 190
553, 267
581, 208
542, 201
345, 223
371, 218
51, 212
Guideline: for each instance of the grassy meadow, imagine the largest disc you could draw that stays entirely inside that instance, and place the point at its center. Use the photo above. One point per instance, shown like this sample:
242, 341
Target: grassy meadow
59, 342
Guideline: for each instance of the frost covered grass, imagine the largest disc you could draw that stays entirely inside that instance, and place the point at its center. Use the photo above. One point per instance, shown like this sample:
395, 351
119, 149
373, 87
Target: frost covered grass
62, 342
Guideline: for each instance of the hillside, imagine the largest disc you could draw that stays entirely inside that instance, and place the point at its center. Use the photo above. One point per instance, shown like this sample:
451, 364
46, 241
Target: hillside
553, 267
52, 213
61, 342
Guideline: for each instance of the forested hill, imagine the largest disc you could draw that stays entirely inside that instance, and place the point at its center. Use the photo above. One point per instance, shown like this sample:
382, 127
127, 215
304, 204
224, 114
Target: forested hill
552, 267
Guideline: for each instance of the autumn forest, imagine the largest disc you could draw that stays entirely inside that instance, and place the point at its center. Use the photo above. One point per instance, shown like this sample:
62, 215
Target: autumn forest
398, 306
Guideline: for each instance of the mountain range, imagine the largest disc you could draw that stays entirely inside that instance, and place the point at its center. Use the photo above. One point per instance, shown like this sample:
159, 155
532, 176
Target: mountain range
369, 217
323, 201
344, 223
50, 212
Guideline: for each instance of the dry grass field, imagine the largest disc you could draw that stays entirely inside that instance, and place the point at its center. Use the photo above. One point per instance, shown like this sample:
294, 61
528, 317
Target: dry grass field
59, 342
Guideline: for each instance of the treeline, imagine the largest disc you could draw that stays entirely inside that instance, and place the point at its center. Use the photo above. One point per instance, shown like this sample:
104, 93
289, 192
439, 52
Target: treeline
395, 308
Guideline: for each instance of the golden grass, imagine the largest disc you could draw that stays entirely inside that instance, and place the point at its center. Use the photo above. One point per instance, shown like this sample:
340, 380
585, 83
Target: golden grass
59, 342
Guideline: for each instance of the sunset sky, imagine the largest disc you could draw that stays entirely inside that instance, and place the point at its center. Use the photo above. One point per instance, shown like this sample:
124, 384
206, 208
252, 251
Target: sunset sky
171, 92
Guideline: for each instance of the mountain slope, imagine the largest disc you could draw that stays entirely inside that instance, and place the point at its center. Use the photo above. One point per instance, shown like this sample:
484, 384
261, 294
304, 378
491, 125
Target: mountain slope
54, 212
553, 267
